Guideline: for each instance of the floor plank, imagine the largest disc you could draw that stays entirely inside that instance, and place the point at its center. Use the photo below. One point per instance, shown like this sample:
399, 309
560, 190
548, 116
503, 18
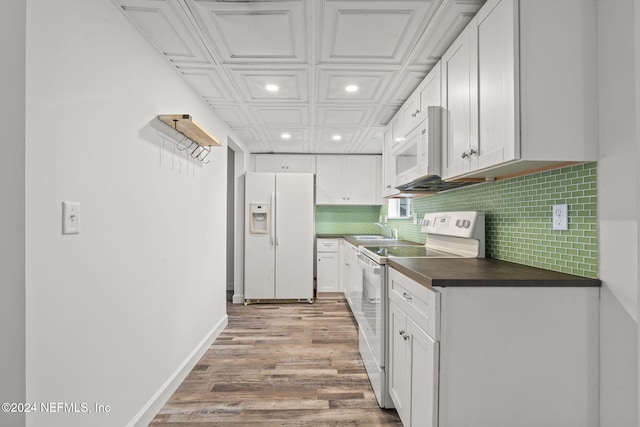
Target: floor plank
280, 365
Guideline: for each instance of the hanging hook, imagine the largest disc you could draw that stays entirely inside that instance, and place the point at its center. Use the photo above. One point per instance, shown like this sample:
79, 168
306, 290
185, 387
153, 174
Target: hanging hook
192, 145
194, 155
207, 151
179, 144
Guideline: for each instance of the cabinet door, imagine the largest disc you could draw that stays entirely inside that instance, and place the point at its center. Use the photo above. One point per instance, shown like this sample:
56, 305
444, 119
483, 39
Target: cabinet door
330, 180
399, 363
397, 132
388, 163
270, 163
424, 377
456, 101
301, 163
362, 180
328, 272
493, 70
411, 112
430, 90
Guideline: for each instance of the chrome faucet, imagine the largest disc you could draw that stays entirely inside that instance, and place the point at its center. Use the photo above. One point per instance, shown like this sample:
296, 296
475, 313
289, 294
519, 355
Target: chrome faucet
386, 231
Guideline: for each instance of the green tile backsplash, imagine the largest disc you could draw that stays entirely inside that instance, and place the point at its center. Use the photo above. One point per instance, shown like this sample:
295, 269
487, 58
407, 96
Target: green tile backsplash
347, 219
518, 218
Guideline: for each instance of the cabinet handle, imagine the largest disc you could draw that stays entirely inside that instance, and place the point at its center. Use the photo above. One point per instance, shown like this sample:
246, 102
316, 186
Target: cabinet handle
469, 154
406, 337
407, 296
401, 332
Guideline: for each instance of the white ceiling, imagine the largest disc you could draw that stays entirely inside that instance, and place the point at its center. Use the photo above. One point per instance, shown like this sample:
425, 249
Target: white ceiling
229, 50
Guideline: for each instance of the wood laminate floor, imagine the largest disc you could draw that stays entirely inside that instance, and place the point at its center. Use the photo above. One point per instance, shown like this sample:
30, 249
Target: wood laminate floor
280, 365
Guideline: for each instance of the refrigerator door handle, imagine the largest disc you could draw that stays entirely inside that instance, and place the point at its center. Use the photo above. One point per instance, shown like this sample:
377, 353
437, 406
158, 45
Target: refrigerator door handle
277, 205
272, 228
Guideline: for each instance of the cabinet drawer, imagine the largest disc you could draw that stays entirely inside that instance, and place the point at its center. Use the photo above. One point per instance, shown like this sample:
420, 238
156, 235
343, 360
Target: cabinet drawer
421, 304
327, 245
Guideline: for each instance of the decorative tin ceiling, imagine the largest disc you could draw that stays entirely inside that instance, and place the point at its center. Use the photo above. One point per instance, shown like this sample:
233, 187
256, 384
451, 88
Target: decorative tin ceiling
303, 76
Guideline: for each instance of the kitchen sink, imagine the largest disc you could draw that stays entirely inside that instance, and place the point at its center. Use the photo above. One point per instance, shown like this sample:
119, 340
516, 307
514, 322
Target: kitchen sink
371, 237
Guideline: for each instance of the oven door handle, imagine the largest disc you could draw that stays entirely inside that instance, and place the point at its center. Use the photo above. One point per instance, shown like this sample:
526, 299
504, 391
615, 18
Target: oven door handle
367, 264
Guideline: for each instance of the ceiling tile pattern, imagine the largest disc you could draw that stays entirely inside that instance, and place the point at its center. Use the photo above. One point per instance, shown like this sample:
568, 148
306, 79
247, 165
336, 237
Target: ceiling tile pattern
236, 53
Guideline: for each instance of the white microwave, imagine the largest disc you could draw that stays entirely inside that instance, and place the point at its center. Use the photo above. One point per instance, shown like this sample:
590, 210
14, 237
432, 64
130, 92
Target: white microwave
419, 154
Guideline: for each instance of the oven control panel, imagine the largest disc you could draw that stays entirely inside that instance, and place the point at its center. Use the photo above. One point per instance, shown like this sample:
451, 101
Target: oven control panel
465, 224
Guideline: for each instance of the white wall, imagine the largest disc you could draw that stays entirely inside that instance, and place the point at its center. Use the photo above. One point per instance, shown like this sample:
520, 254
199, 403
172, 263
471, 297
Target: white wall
618, 213
117, 311
12, 222
637, 81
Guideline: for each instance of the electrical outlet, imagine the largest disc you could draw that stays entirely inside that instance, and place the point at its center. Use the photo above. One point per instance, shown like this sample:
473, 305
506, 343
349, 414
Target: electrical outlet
70, 217
560, 217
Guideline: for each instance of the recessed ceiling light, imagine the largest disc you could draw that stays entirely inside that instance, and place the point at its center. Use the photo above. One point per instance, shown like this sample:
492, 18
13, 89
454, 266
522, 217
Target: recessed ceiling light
286, 136
351, 88
336, 137
272, 88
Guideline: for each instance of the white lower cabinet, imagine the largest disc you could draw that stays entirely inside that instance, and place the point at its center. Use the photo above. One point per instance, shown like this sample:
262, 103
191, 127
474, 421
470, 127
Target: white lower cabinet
413, 354
493, 356
327, 266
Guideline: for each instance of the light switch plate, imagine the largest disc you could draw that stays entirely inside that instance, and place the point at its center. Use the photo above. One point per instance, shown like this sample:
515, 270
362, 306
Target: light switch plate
70, 217
560, 217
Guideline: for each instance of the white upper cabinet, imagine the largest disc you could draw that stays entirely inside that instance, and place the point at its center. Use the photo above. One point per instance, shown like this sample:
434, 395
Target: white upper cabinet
348, 180
285, 163
493, 81
519, 96
388, 167
414, 110
456, 101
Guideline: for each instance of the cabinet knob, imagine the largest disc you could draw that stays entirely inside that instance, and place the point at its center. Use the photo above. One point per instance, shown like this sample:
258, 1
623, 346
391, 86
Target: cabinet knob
472, 152
405, 336
464, 155
407, 296
401, 332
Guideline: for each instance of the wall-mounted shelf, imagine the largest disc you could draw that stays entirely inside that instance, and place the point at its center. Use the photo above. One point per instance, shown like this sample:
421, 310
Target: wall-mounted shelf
184, 124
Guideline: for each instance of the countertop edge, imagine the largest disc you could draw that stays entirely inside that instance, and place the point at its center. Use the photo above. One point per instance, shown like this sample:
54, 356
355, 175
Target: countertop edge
428, 272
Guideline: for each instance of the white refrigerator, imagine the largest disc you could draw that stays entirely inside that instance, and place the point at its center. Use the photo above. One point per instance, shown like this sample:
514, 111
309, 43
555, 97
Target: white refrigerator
279, 236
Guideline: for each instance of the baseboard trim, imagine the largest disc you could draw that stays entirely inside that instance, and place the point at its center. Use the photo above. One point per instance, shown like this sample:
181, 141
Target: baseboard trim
238, 299
146, 414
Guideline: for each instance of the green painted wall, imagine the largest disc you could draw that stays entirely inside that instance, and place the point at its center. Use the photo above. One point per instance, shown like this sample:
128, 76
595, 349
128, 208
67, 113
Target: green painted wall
518, 218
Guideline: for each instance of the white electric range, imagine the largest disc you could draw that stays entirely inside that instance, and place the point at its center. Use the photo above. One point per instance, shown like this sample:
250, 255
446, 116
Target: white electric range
449, 235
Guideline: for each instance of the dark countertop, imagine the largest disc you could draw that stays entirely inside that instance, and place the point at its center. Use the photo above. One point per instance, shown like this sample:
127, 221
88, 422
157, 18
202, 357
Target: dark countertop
483, 272
358, 242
